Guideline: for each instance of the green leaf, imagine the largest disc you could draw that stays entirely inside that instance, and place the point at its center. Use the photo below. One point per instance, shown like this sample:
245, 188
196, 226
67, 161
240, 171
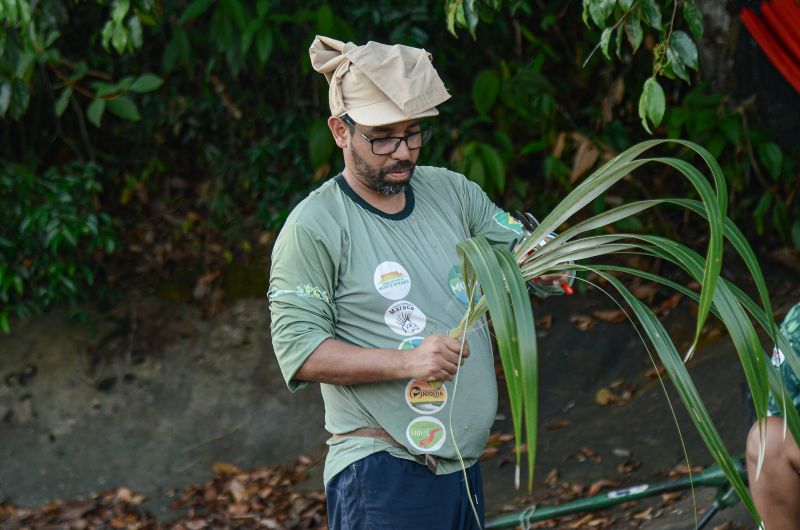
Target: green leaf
236, 11
633, 30
249, 34
685, 48
485, 90
494, 166
146, 83
119, 10
772, 158
107, 34
652, 13
605, 39
264, 44
62, 101
135, 30
262, 8
124, 108
119, 38
600, 10
471, 16
651, 103
762, 208
194, 10
732, 130
796, 233
625, 4
675, 64
95, 111
80, 71
320, 144
4, 323
451, 7
20, 98
5, 96
694, 18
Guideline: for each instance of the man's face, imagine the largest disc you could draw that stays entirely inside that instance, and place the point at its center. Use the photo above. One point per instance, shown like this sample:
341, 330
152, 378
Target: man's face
387, 174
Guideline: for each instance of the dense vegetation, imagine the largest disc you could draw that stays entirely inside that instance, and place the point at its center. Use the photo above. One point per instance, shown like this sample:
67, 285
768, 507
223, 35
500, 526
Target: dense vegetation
144, 135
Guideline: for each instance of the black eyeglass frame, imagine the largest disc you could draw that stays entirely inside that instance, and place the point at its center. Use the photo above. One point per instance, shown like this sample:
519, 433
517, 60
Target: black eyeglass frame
426, 133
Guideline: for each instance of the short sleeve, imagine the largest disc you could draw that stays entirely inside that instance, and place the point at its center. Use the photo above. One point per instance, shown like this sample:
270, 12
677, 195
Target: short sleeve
301, 285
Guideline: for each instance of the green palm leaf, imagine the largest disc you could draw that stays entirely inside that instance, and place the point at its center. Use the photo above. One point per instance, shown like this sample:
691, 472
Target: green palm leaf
501, 280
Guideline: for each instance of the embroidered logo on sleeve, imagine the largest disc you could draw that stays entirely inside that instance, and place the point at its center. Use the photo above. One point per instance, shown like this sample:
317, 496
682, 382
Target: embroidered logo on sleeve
508, 222
303, 290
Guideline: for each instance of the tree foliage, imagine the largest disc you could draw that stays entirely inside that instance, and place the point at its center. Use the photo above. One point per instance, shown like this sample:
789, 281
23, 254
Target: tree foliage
202, 124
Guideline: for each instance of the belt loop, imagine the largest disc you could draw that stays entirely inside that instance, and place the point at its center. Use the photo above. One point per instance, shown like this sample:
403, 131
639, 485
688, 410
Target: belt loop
430, 461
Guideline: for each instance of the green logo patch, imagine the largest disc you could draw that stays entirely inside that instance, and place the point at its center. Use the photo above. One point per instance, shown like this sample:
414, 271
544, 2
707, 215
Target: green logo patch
508, 222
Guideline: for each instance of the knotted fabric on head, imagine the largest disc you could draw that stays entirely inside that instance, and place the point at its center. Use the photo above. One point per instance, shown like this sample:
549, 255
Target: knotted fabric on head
377, 84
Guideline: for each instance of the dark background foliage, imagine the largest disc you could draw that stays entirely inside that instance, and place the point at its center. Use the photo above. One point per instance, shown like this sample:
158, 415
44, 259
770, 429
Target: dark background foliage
150, 139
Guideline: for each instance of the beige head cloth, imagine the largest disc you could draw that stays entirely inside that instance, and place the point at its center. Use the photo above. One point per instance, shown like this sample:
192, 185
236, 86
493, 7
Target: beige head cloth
377, 84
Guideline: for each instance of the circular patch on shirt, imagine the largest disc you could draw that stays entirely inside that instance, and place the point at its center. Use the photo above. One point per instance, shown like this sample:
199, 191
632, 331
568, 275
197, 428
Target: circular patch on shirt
410, 344
424, 398
405, 318
426, 434
777, 358
392, 280
457, 285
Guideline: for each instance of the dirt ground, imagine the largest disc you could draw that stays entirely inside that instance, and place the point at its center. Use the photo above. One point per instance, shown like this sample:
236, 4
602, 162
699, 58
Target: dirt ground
157, 394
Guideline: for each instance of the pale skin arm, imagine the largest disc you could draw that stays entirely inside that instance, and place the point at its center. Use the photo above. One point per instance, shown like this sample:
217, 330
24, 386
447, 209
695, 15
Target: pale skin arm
340, 363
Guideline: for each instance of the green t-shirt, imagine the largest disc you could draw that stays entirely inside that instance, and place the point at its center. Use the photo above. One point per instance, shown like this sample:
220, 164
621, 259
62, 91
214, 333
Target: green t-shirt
343, 269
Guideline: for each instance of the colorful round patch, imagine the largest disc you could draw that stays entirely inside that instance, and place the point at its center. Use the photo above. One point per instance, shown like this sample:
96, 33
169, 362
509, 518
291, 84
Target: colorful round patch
410, 344
425, 398
405, 318
392, 280
457, 285
426, 434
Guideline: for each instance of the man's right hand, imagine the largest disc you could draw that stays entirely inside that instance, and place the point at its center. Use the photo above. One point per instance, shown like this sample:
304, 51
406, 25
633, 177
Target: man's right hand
436, 359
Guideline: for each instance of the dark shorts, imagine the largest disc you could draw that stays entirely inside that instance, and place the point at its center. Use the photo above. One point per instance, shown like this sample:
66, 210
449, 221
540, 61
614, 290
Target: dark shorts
385, 492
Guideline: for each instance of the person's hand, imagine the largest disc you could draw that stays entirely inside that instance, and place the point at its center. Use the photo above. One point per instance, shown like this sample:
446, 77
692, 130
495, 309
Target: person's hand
435, 359
555, 278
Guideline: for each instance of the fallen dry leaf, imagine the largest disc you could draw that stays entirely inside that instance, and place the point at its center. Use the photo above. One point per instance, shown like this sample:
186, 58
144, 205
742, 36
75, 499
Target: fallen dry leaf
645, 291
583, 322
604, 396
610, 315
222, 468
682, 470
585, 158
552, 477
671, 497
601, 484
545, 322
556, 425
645, 515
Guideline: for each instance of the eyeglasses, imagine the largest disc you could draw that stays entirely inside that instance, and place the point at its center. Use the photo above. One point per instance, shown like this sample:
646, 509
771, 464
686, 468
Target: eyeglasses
387, 145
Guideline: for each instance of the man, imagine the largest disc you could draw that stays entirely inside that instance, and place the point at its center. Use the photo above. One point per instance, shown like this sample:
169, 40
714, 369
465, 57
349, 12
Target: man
364, 287
776, 492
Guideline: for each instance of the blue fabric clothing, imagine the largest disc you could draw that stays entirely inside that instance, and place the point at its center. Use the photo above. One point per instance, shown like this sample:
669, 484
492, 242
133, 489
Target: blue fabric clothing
383, 492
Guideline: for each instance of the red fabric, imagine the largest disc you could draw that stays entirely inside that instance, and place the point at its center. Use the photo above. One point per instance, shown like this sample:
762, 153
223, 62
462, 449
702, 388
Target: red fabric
780, 20
784, 63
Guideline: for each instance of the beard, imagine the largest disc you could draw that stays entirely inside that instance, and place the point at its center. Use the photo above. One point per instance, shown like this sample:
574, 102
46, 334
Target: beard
376, 179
